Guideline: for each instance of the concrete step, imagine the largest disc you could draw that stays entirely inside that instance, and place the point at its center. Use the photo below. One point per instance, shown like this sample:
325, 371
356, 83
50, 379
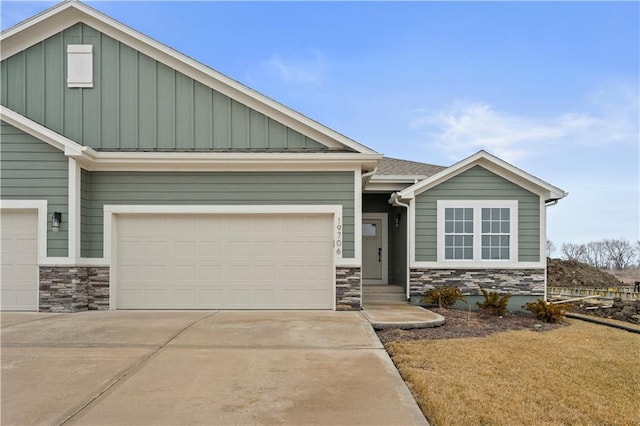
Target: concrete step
382, 289
383, 298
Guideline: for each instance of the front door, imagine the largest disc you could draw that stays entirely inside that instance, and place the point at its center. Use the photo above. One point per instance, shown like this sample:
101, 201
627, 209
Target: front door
374, 248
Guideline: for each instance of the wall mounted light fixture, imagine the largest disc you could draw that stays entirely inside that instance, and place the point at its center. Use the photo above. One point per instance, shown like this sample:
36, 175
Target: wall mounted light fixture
56, 220
397, 220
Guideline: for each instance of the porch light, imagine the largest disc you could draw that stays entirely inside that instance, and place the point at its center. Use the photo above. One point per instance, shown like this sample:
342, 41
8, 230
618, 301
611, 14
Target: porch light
56, 220
397, 220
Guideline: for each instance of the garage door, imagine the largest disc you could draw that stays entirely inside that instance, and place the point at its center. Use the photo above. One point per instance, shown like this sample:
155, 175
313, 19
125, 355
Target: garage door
19, 260
224, 261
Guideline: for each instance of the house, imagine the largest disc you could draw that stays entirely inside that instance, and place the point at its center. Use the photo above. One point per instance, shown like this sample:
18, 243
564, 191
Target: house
133, 177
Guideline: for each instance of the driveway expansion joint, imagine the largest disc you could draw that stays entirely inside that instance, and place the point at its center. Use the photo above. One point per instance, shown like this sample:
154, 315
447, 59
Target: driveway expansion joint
136, 365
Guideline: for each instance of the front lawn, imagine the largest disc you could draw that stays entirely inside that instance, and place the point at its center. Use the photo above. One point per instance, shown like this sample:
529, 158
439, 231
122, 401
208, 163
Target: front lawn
580, 374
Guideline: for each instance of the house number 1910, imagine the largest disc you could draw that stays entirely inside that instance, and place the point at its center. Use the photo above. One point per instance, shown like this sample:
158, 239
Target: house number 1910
339, 236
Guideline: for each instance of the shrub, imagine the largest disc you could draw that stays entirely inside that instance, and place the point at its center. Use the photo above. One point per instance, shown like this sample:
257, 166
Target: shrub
494, 303
547, 312
444, 297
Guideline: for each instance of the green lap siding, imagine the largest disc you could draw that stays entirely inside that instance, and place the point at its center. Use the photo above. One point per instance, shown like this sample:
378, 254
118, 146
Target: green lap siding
136, 103
229, 188
478, 183
33, 170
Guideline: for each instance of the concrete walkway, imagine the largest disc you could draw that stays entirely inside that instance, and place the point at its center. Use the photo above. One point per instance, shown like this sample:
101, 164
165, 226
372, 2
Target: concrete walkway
400, 315
214, 367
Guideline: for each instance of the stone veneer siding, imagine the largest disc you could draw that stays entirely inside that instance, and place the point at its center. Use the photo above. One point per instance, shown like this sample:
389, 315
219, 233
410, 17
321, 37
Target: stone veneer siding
73, 288
348, 289
522, 282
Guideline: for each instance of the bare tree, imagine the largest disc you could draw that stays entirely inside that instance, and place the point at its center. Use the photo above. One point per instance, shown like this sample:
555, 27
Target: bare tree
638, 253
572, 251
621, 253
597, 255
551, 248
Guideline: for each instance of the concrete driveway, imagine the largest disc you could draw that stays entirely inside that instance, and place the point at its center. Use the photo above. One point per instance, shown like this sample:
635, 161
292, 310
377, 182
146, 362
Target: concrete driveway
213, 367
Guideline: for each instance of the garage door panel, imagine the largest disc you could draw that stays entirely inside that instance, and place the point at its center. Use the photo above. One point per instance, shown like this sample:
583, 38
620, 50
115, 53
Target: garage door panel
225, 261
19, 260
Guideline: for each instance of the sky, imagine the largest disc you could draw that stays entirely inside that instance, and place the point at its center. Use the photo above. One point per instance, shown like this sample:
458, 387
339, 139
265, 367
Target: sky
551, 87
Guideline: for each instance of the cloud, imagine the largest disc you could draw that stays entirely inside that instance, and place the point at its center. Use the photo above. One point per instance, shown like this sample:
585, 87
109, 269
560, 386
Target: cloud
298, 70
609, 115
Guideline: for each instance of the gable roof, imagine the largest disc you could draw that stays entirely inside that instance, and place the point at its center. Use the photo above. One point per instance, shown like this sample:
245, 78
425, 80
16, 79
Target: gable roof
493, 164
68, 13
388, 166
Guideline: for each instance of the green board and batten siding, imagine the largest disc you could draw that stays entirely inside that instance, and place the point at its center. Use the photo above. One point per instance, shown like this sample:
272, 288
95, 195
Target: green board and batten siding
478, 183
232, 188
136, 103
33, 170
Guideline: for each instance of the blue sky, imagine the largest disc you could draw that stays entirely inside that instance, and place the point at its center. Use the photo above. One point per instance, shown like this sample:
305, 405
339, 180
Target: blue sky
551, 87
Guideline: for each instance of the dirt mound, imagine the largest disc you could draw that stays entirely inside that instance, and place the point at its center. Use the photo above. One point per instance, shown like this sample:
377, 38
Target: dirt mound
571, 273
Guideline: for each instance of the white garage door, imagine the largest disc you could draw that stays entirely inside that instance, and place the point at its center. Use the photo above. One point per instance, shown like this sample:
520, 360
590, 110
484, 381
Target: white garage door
224, 261
19, 260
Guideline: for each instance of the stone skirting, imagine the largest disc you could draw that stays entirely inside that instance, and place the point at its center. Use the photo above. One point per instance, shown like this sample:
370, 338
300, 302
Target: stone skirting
98, 290
522, 282
73, 288
348, 289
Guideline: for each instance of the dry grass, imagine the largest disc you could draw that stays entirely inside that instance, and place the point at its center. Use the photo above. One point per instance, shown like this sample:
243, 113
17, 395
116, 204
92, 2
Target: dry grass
582, 374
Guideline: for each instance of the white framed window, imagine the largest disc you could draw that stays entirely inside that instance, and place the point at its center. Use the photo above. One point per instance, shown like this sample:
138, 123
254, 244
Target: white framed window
477, 231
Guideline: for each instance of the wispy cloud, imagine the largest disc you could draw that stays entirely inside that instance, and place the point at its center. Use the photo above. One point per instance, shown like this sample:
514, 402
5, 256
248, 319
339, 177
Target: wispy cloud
610, 115
309, 70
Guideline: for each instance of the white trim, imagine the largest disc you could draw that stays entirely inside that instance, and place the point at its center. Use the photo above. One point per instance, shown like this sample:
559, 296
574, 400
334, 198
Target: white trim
41, 207
112, 211
493, 164
38, 131
478, 265
543, 241
73, 220
477, 205
384, 241
65, 14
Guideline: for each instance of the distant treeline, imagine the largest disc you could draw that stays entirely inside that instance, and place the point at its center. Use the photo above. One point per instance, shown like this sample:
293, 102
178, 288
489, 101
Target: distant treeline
605, 254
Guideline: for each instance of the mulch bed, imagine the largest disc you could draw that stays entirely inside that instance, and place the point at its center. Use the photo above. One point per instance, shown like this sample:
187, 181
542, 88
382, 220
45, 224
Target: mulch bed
461, 324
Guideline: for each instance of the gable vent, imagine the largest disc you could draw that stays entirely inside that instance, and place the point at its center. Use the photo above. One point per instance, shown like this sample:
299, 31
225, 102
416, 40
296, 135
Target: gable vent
80, 65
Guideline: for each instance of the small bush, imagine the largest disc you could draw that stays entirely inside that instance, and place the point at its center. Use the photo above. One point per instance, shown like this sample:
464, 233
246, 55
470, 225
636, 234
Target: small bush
444, 297
547, 312
494, 303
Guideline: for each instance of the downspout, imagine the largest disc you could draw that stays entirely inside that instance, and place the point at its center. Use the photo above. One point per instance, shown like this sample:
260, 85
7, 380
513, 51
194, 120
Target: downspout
394, 201
366, 177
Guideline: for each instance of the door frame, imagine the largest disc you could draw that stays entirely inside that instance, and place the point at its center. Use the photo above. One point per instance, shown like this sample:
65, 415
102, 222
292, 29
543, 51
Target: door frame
384, 218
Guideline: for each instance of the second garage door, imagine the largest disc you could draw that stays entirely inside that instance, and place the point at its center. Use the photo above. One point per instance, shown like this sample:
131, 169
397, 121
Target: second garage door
257, 261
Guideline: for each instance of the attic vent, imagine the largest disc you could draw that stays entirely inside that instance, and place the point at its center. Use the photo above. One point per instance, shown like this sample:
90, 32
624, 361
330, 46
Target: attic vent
80, 65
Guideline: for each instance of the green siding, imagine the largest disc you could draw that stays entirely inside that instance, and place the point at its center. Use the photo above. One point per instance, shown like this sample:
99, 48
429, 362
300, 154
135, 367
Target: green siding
136, 103
478, 183
233, 188
33, 170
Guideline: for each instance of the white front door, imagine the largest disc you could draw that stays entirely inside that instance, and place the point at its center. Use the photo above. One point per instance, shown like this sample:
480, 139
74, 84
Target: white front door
374, 248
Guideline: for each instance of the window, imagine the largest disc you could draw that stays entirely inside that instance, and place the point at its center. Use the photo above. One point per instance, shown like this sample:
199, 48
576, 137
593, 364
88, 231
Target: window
477, 231
458, 240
